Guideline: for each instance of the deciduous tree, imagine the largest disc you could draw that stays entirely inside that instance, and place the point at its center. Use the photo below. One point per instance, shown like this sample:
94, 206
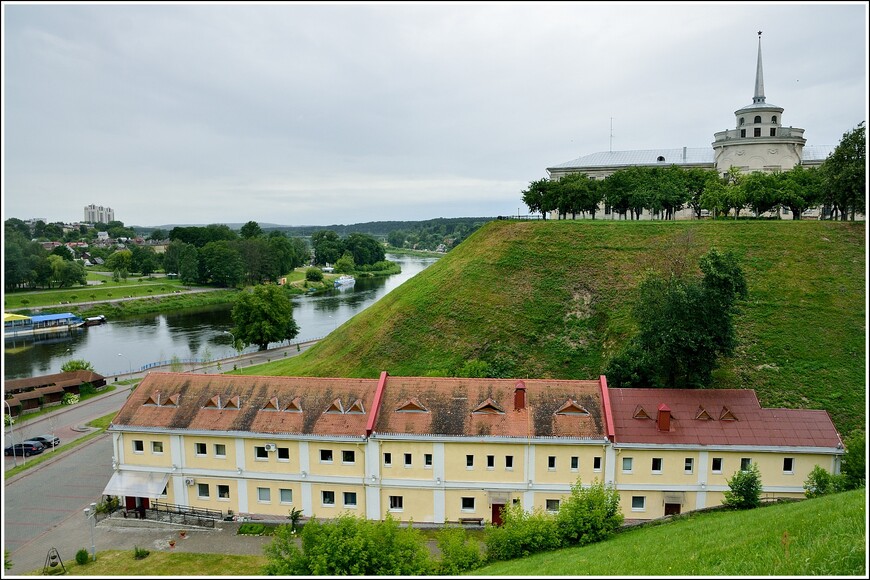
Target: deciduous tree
264, 315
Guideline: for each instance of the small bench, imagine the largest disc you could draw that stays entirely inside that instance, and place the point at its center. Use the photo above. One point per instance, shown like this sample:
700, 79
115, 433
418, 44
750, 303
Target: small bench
468, 521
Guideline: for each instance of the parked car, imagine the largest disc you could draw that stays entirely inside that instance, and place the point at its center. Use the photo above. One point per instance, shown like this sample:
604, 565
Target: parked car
47, 440
26, 449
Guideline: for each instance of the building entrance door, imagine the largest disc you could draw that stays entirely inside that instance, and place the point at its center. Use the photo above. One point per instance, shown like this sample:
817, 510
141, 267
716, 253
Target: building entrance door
496, 513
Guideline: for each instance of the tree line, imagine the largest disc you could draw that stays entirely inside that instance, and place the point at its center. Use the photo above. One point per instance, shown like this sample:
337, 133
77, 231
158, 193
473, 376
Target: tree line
838, 186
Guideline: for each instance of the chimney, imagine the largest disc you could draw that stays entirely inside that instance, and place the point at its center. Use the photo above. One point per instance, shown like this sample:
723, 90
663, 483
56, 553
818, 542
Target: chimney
664, 419
520, 396
684, 153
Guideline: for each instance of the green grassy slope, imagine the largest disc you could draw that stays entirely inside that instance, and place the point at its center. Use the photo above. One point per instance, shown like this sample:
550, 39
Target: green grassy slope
820, 537
553, 299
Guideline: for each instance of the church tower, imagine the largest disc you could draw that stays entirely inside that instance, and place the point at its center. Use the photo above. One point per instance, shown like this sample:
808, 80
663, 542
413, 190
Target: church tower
759, 142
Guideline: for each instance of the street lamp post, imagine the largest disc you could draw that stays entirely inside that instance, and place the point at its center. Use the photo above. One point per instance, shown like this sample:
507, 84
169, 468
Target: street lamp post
12, 434
233, 337
129, 362
91, 514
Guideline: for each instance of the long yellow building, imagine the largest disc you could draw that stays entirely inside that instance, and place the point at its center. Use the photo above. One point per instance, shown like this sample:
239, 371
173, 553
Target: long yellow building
436, 450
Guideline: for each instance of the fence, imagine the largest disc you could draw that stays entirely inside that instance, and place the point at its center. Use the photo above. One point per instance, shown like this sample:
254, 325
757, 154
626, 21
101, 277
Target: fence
180, 514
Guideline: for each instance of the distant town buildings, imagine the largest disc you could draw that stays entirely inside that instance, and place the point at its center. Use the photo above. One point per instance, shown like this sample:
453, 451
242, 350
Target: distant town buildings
97, 214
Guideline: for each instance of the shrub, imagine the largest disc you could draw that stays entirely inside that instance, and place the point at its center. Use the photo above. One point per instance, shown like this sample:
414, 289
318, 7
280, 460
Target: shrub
251, 530
744, 488
314, 275
854, 465
820, 482
76, 365
140, 553
589, 514
69, 399
522, 534
459, 553
82, 557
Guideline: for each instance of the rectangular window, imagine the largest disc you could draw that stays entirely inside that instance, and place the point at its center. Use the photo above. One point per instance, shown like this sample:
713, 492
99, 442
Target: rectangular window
742, 132
689, 466
264, 495
350, 499
138, 446
157, 447
348, 456
286, 495
388, 459
490, 461
396, 503
788, 464
283, 454
596, 464
717, 465
223, 492
551, 463
260, 452
202, 490
407, 460
757, 132
220, 450
468, 504
326, 456
772, 132
638, 503
201, 449
427, 460
575, 463
509, 462
469, 461
745, 462
656, 464
327, 498
552, 505
627, 464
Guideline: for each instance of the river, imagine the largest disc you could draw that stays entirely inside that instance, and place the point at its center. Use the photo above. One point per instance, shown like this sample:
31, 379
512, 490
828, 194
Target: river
202, 333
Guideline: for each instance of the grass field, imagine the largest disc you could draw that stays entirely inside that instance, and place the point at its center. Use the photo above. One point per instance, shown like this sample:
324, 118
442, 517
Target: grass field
553, 299
110, 290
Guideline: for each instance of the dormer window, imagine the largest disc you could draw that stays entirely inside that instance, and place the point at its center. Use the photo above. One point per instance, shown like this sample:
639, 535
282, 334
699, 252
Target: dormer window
660, 158
572, 408
488, 407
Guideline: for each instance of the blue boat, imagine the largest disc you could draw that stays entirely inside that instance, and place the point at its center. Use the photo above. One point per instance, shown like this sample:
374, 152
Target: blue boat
17, 325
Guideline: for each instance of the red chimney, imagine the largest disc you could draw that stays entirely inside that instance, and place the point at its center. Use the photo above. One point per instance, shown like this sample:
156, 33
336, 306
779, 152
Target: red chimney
664, 420
520, 396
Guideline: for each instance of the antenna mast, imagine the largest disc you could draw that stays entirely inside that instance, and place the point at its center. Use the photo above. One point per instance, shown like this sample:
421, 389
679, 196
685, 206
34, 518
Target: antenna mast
611, 134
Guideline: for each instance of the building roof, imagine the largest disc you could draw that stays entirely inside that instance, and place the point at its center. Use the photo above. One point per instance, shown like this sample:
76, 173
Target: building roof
716, 417
816, 152
62, 379
486, 407
693, 156
273, 405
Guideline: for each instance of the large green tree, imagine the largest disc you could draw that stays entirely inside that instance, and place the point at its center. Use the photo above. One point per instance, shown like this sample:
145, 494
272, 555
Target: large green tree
264, 315
845, 172
541, 196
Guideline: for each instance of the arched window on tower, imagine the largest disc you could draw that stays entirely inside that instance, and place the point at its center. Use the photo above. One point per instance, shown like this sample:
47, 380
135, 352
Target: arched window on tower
660, 158
741, 120
758, 118
773, 119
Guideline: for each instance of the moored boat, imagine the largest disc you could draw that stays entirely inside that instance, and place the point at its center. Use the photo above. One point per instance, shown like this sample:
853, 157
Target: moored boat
19, 325
345, 281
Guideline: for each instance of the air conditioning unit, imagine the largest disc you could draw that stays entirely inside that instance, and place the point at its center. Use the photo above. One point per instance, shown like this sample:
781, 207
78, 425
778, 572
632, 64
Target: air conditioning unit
270, 447
189, 481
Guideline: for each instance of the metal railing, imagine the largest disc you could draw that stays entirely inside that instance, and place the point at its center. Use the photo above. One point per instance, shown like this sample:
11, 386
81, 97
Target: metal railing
180, 514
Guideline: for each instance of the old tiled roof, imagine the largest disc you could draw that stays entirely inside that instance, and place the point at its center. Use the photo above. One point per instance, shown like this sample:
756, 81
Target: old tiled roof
74, 377
485, 407
248, 403
717, 417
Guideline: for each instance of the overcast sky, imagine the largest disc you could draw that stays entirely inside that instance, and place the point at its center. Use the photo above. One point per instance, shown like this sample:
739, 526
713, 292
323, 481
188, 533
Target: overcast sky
319, 114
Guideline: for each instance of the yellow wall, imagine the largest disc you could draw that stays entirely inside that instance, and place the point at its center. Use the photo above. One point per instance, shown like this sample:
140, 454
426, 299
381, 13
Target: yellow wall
274, 506
398, 470
272, 463
337, 466
210, 460
563, 473
147, 457
325, 511
417, 504
213, 502
455, 468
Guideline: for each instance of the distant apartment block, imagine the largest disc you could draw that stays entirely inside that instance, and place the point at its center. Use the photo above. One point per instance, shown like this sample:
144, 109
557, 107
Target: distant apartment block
98, 214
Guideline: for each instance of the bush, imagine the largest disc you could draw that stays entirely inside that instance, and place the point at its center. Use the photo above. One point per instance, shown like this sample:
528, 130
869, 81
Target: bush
314, 275
820, 482
251, 530
522, 534
82, 557
459, 553
140, 553
69, 399
854, 465
589, 515
744, 489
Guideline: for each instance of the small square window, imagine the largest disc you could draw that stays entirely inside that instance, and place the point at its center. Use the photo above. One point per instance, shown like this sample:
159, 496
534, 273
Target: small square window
286, 495
551, 463
350, 499
469, 461
596, 464
201, 449
327, 498
627, 463
638, 503
745, 463
490, 461
348, 456
656, 464
264, 495
717, 465
396, 503
552, 505
223, 492
575, 463
220, 450
427, 460
202, 490
138, 446
283, 454
407, 460
509, 462
689, 466
157, 447
388, 459
468, 504
788, 464
326, 456
260, 452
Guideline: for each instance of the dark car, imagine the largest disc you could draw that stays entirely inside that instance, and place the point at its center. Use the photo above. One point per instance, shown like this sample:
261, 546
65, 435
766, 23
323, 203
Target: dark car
47, 440
25, 449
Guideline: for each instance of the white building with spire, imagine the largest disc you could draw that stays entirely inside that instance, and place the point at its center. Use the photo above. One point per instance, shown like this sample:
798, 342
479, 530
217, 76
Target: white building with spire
758, 142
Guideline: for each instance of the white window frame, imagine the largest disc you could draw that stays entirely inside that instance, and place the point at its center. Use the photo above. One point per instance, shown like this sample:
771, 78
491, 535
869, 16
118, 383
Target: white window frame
345, 502
344, 453
397, 499
323, 496
260, 453
747, 461
268, 494
630, 464
138, 443
278, 454
689, 465
551, 463
469, 461
281, 491
326, 453
548, 502
508, 462
642, 507
388, 459
596, 460
196, 448
199, 488
427, 461
154, 445
409, 460
575, 463
788, 471
661, 462
462, 504
219, 497
217, 453
713, 465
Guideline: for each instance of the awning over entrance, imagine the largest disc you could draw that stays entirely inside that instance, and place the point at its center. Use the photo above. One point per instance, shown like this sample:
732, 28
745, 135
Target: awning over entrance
136, 484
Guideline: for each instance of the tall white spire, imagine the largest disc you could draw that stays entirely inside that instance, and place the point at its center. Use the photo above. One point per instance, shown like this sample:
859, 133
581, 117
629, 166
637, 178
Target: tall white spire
759, 77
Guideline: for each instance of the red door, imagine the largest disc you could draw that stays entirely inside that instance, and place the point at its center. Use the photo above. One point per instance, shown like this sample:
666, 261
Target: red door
496, 514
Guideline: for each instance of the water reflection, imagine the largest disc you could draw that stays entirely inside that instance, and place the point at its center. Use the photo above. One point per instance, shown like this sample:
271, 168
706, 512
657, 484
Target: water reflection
199, 333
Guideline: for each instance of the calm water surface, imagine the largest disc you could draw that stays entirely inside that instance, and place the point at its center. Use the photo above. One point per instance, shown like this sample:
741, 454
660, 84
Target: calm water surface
131, 343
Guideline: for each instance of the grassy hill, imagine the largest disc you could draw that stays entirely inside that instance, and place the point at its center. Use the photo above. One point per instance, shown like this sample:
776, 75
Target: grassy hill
553, 299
